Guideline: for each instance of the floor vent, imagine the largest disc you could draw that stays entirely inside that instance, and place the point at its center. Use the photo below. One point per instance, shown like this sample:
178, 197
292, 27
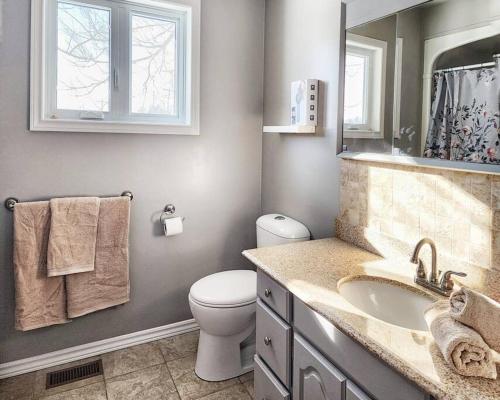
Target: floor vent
73, 374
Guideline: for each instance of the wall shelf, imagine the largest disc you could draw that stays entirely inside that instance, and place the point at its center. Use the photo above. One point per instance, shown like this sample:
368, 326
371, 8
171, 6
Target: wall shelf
290, 129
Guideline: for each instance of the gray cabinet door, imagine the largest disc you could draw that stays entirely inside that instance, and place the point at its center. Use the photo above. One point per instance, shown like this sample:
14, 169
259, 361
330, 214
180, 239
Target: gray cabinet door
355, 393
267, 386
314, 377
274, 345
368, 371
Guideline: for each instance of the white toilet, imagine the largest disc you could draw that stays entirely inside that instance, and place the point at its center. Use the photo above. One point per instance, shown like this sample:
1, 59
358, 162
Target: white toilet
223, 304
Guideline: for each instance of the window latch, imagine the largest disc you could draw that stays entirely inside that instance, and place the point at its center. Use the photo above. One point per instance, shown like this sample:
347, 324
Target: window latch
115, 78
92, 115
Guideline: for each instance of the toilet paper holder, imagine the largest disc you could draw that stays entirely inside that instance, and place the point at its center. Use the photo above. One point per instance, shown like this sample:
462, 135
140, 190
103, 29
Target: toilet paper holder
166, 219
168, 212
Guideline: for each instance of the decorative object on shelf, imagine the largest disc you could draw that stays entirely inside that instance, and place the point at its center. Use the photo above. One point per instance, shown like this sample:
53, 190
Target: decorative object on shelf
304, 102
303, 109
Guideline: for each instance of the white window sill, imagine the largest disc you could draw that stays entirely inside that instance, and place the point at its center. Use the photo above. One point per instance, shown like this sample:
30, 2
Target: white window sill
60, 125
362, 134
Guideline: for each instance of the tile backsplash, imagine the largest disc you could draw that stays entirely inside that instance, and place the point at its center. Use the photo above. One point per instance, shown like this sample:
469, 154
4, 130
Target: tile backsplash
460, 211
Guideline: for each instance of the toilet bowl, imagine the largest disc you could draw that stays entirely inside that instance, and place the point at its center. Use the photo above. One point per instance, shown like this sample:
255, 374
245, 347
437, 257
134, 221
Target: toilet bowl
223, 304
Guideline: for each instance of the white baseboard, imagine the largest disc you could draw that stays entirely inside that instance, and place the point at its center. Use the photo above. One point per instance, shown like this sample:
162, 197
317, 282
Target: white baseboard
70, 354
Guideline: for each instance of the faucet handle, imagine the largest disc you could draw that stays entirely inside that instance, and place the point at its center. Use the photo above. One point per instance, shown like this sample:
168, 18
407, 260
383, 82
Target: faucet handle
446, 281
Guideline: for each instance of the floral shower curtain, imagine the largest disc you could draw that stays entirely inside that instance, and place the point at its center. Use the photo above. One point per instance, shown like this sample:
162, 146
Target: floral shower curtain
465, 117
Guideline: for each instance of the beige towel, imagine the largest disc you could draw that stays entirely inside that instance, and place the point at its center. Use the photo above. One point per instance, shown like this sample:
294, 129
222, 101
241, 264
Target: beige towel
73, 232
40, 301
108, 285
463, 348
479, 312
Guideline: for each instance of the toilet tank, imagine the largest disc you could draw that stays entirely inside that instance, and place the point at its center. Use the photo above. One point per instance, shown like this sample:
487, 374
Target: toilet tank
276, 229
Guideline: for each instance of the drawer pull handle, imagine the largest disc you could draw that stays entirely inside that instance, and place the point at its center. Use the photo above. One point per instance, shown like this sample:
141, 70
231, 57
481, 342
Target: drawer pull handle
267, 292
267, 341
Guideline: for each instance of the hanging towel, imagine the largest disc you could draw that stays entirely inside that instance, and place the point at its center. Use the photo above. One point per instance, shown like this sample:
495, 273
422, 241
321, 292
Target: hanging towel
463, 348
108, 284
40, 301
478, 312
73, 232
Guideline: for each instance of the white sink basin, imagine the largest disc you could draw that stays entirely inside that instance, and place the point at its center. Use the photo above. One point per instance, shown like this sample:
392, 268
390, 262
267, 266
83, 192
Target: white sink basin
387, 300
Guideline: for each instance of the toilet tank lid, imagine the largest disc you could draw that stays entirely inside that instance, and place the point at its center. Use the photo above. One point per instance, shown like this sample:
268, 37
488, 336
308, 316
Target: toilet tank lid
225, 289
283, 226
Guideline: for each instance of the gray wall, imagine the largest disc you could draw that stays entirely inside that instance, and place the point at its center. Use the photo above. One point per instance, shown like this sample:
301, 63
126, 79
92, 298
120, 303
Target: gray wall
214, 179
453, 15
301, 172
362, 11
410, 30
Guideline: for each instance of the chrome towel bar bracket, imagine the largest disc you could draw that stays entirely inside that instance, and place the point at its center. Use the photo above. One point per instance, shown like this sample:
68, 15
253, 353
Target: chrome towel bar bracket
11, 202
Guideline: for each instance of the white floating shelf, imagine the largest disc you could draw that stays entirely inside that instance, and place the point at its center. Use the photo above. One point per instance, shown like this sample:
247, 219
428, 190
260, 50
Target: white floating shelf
290, 129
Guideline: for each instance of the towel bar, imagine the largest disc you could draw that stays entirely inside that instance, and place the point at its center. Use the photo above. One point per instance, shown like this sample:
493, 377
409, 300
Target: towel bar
11, 202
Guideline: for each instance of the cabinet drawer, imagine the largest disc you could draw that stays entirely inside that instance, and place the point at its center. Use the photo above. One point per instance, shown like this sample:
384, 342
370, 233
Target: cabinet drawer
314, 377
353, 392
266, 385
367, 370
274, 295
274, 342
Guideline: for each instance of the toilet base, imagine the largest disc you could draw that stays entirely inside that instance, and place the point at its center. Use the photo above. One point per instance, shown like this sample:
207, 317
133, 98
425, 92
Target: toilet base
224, 357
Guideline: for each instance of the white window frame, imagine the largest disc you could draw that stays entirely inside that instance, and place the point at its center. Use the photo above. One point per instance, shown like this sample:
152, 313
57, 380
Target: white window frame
120, 119
375, 52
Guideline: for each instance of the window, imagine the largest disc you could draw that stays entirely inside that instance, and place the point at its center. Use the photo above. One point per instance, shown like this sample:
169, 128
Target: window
115, 66
365, 66
356, 80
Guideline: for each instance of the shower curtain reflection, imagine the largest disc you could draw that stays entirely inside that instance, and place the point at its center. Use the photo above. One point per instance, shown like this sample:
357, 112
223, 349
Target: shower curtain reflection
465, 117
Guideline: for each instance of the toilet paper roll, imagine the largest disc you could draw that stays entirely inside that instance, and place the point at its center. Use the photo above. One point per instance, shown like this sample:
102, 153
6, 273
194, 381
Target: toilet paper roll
173, 226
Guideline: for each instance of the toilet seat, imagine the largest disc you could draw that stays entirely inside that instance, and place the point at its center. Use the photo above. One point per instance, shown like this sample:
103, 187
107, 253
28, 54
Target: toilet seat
226, 289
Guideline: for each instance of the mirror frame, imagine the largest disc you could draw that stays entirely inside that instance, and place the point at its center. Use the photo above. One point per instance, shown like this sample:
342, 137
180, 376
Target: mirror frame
359, 12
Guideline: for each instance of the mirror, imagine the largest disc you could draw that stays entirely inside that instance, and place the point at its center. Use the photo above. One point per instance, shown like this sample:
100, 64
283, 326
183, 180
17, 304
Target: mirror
425, 82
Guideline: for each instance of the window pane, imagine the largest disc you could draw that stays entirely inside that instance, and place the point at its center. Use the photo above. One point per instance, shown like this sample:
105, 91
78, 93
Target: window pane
154, 61
83, 67
355, 76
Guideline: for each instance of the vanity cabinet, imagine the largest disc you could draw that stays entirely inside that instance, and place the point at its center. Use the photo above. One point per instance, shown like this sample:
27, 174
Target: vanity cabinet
274, 296
267, 386
326, 363
314, 378
352, 392
274, 337
362, 367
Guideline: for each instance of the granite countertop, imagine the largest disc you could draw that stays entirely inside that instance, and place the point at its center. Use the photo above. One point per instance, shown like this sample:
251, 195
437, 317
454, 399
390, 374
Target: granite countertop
311, 271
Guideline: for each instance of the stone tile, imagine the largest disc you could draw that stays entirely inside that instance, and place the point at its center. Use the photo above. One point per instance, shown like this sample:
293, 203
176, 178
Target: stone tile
41, 376
180, 346
495, 193
97, 391
496, 220
132, 359
188, 384
495, 255
18, 387
481, 188
247, 377
480, 255
249, 387
237, 392
153, 383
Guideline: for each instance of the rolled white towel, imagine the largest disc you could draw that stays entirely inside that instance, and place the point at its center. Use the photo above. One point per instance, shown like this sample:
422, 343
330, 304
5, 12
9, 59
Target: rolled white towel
463, 348
478, 312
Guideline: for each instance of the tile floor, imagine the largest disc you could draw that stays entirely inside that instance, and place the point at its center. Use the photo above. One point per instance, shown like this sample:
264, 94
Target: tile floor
161, 370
